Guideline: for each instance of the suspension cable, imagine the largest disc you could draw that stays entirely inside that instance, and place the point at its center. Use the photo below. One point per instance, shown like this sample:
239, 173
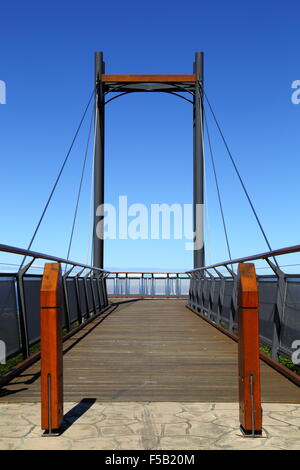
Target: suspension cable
238, 174
206, 212
80, 186
90, 235
59, 175
217, 185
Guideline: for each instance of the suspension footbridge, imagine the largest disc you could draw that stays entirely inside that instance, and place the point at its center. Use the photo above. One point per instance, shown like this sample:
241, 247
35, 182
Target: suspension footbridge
216, 333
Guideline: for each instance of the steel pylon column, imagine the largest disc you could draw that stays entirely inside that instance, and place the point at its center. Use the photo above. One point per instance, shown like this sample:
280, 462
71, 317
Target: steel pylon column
98, 242
198, 175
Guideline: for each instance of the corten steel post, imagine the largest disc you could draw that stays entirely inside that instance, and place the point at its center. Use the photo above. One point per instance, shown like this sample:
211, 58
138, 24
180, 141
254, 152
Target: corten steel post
51, 350
248, 347
98, 243
198, 171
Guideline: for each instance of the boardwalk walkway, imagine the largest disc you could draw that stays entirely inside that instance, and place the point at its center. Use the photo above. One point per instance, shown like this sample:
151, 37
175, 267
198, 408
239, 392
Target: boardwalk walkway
151, 350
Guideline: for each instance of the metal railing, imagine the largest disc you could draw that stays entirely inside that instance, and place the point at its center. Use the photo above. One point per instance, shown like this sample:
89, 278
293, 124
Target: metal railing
148, 284
214, 295
84, 295
211, 293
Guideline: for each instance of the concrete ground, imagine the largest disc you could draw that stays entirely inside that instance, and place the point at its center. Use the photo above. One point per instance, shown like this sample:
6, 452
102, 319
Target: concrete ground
150, 426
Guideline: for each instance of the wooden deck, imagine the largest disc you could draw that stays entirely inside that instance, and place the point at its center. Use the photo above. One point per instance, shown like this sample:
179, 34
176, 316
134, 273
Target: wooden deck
151, 350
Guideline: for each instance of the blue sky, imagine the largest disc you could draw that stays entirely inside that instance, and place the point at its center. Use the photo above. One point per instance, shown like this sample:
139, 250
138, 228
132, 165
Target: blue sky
251, 59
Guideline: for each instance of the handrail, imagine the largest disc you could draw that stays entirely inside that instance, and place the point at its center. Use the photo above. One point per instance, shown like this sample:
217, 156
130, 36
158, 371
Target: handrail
169, 273
37, 255
147, 284
97, 281
265, 255
217, 304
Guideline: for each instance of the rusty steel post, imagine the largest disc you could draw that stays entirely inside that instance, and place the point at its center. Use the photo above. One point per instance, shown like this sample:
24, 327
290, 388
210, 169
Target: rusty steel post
248, 348
51, 350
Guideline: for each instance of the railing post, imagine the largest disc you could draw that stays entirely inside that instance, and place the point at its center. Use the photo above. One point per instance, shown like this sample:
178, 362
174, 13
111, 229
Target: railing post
248, 348
199, 288
105, 290
233, 306
22, 308
51, 350
211, 295
78, 299
279, 309
88, 313
221, 296
100, 290
66, 298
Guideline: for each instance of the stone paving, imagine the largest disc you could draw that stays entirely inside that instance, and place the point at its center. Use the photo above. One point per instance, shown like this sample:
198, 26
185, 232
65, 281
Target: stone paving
152, 426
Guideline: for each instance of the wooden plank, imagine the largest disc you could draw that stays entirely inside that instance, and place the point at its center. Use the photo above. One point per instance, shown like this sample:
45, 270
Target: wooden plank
248, 349
51, 349
148, 78
151, 350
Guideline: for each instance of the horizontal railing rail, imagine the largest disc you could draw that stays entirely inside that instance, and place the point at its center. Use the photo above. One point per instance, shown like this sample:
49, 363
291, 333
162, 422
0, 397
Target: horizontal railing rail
265, 256
84, 296
36, 255
214, 295
148, 284
210, 292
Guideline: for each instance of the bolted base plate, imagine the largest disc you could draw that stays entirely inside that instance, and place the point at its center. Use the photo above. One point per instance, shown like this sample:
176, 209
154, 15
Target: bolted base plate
250, 433
51, 433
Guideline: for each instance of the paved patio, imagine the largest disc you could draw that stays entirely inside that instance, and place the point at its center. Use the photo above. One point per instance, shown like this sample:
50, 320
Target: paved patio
149, 425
